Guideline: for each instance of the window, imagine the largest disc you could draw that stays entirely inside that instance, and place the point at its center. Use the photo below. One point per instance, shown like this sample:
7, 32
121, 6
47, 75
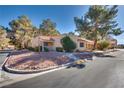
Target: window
81, 44
48, 43
45, 43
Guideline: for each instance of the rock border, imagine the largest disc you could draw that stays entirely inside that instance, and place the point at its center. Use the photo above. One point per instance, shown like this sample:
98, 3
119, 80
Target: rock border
6, 68
16, 71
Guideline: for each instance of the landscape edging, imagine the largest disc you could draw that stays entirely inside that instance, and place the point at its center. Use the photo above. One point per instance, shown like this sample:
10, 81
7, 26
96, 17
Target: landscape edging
31, 71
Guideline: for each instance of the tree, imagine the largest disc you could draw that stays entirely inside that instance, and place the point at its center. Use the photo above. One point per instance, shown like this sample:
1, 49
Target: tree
68, 44
98, 23
23, 30
48, 28
21, 23
4, 42
69, 34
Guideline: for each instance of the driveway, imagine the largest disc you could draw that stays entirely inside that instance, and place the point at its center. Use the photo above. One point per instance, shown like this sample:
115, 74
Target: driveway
105, 71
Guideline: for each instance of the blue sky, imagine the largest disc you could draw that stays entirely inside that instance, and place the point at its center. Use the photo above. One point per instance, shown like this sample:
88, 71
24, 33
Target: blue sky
63, 16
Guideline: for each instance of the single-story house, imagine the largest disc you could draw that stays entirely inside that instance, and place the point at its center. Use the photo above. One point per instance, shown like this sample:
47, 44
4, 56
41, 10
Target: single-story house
51, 42
112, 42
82, 43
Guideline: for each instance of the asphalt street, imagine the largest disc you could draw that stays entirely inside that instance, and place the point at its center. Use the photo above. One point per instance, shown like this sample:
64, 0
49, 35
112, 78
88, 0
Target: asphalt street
102, 72
3, 55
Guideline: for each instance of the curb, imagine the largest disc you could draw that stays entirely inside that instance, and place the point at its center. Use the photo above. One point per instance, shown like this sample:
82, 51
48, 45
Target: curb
28, 77
31, 71
16, 71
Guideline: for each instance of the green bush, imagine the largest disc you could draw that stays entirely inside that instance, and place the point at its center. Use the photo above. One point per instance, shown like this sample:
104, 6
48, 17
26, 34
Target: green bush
36, 49
103, 45
59, 49
68, 44
46, 49
30, 48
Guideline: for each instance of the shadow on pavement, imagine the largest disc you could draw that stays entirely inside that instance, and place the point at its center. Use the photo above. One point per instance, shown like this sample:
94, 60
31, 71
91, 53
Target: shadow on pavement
103, 55
79, 66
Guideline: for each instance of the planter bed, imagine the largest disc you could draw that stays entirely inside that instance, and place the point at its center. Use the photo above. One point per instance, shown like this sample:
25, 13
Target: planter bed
29, 62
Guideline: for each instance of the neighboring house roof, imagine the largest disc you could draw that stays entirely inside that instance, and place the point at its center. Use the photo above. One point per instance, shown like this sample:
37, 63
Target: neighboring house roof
83, 39
110, 38
48, 38
54, 38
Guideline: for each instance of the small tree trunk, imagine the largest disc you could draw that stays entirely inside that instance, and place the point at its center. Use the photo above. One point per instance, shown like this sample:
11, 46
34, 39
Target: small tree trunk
95, 44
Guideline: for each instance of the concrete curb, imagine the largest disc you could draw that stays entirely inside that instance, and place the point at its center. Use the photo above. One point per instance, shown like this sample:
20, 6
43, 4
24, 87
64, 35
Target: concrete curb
31, 71
6, 68
30, 76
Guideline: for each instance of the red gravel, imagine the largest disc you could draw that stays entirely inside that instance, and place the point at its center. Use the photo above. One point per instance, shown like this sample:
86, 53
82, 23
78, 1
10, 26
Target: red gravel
27, 60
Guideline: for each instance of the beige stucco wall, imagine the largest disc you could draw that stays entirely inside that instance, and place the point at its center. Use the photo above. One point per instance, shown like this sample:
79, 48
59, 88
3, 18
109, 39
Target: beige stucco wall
75, 39
34, 42
57, 42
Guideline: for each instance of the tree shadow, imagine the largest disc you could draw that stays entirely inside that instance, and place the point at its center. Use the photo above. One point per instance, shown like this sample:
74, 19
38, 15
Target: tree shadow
103, 55
78, 66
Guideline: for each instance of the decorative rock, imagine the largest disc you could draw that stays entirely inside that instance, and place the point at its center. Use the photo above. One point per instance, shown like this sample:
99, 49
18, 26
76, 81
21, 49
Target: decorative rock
80, 61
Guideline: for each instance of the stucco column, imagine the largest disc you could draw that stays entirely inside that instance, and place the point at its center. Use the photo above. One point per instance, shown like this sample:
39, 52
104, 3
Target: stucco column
42, 46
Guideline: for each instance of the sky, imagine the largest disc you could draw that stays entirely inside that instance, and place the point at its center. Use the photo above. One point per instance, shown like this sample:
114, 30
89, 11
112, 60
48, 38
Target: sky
63, 16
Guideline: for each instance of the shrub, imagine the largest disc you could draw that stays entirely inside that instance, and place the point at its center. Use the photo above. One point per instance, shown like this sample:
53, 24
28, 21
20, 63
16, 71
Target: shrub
59, 49
36, 49
68, 44
103, 45
46, 49
31, 48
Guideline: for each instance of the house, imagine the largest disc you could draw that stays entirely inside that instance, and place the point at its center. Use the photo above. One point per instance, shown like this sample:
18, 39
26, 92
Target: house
82, 43
112, 42
51, 42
